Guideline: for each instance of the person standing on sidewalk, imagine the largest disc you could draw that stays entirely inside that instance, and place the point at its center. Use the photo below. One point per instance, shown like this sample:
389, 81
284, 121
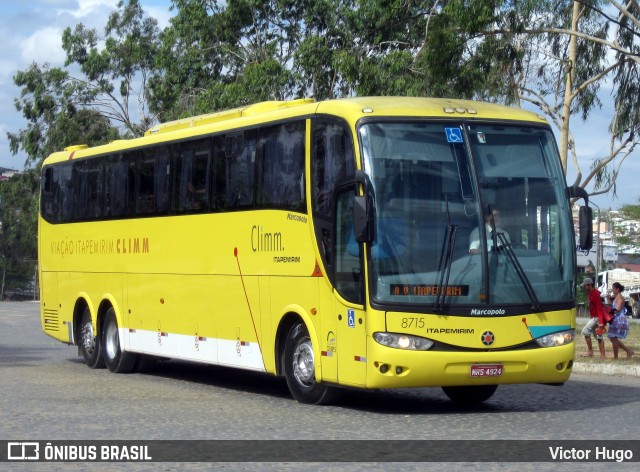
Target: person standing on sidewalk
619, 326
595, 325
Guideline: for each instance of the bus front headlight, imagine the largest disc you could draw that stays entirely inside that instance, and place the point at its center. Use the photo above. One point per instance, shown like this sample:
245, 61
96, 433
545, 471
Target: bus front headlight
556, 339
403, 341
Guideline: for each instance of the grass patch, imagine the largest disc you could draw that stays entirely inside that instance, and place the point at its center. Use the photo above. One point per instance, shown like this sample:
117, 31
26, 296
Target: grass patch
632, 341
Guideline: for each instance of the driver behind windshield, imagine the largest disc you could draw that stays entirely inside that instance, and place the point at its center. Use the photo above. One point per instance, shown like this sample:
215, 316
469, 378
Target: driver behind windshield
492, 229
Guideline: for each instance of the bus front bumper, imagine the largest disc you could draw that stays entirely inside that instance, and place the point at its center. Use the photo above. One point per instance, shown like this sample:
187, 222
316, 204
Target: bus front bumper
396, 368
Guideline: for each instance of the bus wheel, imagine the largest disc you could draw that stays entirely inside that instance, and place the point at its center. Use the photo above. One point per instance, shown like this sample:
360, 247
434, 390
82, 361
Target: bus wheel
470, 395
90, 345
117, 360
299, 369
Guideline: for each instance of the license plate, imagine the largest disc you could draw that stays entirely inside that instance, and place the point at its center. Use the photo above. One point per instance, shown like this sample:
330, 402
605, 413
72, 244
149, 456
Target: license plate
486, 370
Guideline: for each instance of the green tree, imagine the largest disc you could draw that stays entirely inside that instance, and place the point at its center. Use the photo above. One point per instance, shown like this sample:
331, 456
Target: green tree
630, 212
517, 52
61, 110
18, 240
218, 55
117, 67
51, 102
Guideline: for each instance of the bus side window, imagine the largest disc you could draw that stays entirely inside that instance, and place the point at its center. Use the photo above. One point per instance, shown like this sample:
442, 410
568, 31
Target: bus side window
221, 151
145, 185
161, 179
119, 185
152, 195
348, 271
240, 172
192, 176
47, 194
332, 163
64, 193
281, 157
88, 197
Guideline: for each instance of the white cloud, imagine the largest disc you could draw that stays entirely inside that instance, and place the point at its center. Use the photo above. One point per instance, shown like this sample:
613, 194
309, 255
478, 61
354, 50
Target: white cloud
44, 45
88, 7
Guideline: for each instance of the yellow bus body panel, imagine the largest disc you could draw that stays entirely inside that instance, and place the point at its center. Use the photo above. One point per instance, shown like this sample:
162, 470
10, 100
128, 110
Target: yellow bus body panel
215, 287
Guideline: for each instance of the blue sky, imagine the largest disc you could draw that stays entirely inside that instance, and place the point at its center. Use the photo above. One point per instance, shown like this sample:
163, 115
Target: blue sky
31, 32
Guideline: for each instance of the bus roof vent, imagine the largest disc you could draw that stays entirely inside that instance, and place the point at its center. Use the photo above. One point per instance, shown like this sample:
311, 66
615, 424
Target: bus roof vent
225, 115
76, 147
194, 121
265, 107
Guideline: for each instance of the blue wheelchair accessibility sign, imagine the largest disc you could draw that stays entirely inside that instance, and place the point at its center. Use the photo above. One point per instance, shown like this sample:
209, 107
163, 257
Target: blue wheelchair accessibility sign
351, 318
454, 135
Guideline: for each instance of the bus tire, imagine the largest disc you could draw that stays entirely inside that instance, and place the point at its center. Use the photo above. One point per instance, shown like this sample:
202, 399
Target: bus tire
117, 360
89, 343
299, 369
470, 395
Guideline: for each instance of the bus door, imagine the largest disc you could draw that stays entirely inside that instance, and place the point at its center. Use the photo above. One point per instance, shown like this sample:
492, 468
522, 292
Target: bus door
349, 296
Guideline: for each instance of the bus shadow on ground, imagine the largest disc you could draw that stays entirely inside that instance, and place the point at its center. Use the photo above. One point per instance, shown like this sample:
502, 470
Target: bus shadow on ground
575, 395
20, 356
215, 376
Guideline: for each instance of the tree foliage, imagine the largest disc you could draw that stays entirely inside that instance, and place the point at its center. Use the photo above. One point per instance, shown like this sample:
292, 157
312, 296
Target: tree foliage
630, 212
117, 67
516, 52
554, 55
216, 55
18, 243
52, 104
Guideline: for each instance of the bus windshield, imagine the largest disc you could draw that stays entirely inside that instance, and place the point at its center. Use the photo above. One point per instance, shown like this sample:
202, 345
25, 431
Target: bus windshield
467, 214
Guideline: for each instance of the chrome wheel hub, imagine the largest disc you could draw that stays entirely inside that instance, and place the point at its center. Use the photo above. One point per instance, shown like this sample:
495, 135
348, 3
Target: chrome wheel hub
111, 341
88, 339
303, 364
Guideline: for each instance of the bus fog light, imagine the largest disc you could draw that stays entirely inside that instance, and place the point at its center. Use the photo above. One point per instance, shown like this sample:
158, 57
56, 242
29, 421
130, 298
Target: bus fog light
556, 339
403, 341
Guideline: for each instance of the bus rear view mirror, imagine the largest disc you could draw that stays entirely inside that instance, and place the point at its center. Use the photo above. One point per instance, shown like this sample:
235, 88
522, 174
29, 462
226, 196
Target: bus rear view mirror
586, 227
363, 218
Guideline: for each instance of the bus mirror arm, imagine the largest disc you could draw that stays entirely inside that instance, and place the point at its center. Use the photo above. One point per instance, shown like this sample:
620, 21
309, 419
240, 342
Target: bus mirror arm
363, 220
578, 192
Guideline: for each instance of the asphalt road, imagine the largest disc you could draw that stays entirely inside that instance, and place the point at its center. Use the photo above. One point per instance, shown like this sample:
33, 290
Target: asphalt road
47, 393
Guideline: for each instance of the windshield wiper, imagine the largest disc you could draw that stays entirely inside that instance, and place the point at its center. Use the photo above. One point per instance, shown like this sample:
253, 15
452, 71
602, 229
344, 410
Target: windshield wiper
508, 249
445, 265
446, 257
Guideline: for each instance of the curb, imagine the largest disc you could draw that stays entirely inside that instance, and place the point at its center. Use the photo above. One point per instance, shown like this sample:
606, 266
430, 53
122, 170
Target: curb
606, 369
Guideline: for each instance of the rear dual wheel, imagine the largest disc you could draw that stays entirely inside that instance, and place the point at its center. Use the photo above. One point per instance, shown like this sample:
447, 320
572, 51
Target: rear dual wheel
117, 360
90, 345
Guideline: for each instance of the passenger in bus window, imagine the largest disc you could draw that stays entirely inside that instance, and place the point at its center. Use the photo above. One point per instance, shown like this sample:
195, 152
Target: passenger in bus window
198, 196
492, 221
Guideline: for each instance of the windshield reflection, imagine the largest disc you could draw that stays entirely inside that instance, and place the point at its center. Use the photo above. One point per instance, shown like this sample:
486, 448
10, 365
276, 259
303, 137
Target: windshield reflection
448, 233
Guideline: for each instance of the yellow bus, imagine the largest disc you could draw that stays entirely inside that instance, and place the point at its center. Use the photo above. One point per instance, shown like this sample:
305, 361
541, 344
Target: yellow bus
364, 242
